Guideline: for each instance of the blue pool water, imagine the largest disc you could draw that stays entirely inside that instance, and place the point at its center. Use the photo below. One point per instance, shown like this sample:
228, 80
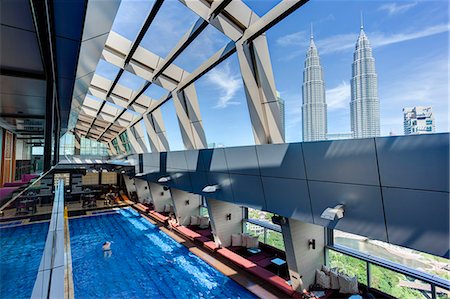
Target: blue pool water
21, 249
145, 262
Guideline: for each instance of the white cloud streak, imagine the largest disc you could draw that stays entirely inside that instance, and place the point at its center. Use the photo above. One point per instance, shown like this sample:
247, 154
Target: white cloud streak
346, 42
338, 97
396, 8
227, 83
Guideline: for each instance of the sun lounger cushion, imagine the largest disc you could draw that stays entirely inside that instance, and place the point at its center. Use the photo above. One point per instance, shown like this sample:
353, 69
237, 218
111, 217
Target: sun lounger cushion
236, 240
271, 278
236, 258
187, 232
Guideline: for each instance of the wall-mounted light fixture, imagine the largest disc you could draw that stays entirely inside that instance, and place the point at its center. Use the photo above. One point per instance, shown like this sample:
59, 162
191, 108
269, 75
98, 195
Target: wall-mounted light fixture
333, 213
139, 174
186, 202
164, 179
312, 243
210, 189
228, 216
123, 171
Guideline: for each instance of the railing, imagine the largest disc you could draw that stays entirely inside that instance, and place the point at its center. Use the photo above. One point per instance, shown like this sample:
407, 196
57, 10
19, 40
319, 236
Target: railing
433, 280
26, 189
50, 279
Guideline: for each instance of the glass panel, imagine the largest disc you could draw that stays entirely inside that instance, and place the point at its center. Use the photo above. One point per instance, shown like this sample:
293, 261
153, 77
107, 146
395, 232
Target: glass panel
275, 239
408, 257
260, 215
348, 265
204, 212
255, 231
398, 285
442, 293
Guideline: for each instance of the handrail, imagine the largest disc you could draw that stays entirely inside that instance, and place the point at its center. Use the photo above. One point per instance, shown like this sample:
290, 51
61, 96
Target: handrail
50, 278
26, 189
377, 261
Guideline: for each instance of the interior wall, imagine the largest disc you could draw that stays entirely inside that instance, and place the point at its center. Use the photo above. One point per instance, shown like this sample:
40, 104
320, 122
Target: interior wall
160, 196
221, 227
183, 209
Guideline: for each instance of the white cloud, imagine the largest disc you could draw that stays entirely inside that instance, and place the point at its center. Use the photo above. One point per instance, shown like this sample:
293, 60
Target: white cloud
345, 42
395, 8
227, 83
338, 97
293, 39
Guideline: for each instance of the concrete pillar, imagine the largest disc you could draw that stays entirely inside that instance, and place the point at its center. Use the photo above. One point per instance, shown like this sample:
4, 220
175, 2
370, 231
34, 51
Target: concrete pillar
302, 260
160, 196
222, 228
129, 183
186, 205
142, 190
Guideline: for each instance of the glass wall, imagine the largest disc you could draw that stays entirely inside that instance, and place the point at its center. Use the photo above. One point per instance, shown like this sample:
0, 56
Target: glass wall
348, 265
125, 142
88, 147
259, 224
410, 258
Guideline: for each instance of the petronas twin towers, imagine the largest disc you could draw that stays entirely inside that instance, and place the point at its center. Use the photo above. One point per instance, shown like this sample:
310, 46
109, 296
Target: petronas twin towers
364, 105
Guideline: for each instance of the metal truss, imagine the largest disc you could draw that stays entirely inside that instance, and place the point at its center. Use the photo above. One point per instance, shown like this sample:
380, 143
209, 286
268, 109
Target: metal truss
246, 30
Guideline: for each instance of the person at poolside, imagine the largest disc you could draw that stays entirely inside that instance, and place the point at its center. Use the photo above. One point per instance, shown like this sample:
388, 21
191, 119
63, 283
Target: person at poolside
172, 221
107, 252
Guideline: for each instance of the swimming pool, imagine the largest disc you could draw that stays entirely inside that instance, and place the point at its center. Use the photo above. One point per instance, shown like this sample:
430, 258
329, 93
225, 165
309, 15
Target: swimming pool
145, 262
21, 249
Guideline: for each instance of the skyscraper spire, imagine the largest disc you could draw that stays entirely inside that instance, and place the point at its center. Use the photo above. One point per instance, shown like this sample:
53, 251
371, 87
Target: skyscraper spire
362, 21
364, 105
314, 108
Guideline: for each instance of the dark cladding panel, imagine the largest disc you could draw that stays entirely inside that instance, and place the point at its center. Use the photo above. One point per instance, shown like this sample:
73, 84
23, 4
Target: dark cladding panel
213, 160
176, 161
192, 160
242, 160
416, 162
288, 197
199, 180
151, 162
363, 208
344, 161
281, 160
418, 219
247, 190
181, 180
225, 192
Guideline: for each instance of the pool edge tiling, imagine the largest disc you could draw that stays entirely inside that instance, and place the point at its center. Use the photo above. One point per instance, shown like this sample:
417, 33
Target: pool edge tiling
145, 262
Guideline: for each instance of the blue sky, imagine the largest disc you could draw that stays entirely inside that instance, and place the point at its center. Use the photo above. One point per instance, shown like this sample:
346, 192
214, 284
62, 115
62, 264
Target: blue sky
410, 45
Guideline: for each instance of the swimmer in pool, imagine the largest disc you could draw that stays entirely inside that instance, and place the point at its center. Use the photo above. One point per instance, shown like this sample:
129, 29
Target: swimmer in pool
107, 252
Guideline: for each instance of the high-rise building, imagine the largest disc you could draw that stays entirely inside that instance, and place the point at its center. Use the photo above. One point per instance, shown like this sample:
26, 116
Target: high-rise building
364, 105
314, 108
282, 115
418, 120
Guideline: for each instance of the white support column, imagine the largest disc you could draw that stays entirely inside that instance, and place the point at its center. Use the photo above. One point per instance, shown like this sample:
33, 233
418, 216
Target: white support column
129, 183
160, 196
259, 83
188, 114
302, 260
77, 144
222, 228
135, 145
142, 191
112, 148
186, 205
156, 131
140, 136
